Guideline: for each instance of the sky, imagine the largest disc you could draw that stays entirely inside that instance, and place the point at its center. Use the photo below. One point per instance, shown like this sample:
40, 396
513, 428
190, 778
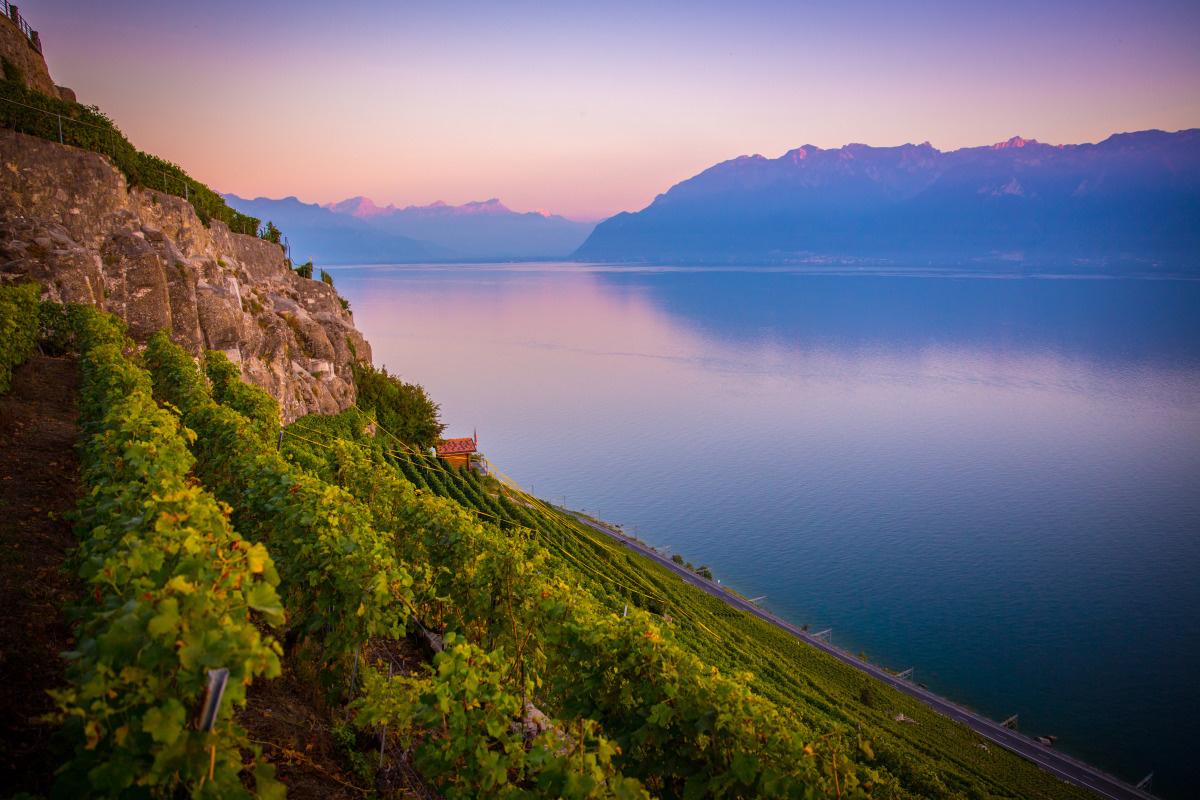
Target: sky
590, 108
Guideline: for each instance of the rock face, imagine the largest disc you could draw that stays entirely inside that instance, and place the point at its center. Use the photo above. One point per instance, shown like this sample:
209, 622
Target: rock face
17, 50
69, 220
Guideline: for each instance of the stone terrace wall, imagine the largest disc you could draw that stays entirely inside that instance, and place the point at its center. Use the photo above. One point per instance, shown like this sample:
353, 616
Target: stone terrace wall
69, 220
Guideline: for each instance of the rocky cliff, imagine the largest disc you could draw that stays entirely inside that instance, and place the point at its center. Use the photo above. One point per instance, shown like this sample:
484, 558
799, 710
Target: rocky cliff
24, 55
69, 220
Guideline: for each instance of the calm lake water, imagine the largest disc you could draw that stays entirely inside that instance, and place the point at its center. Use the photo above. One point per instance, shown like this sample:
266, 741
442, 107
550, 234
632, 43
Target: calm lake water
993, 480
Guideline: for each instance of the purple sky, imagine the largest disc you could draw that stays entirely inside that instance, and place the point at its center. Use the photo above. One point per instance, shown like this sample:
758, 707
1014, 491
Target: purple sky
587, 109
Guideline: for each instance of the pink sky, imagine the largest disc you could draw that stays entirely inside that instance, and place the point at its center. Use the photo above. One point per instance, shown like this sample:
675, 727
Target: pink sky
590, 109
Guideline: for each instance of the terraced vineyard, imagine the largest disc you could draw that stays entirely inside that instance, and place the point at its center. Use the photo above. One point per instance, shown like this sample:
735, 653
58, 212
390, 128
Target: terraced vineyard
930, 754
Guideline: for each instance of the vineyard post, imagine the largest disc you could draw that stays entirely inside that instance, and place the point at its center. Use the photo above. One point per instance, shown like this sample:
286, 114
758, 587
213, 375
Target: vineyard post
213, 694
383, 729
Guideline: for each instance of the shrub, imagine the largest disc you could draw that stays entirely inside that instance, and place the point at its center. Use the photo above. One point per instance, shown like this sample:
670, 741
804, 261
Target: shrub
463, 721
12, 72
270, 233
326, 278
403, 409
253, 402
19, 322
305, 270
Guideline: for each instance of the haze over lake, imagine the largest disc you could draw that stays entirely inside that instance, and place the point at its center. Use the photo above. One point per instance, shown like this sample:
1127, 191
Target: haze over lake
993, 480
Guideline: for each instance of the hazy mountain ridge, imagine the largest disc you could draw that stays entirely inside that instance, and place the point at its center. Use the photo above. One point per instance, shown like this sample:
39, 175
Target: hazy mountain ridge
317, 233
357, 230
1132, 197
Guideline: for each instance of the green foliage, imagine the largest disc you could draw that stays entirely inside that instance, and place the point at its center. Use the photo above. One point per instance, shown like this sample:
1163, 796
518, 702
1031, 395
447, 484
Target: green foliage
403, 409
172, 592
57, 324
345, 738
326, 278
340, 578
11, 71
305, 270
89, 128
252, 402
682, 727
466, 727
19, 320
270, 233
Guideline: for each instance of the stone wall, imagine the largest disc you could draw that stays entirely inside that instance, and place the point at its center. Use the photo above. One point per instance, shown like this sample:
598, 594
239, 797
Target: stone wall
69, 220
17, 49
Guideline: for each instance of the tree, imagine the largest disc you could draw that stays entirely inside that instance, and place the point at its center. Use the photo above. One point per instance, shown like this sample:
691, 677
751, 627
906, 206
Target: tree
270, 233
403, 409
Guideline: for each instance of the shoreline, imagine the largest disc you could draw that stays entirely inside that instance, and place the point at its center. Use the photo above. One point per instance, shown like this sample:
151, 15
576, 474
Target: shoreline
1057, 763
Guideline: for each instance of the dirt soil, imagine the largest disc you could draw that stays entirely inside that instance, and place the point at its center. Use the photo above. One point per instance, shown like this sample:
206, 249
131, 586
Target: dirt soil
297, 731
39, 485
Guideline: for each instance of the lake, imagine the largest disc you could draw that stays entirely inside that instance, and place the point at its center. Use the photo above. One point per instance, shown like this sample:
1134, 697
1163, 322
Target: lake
994, 480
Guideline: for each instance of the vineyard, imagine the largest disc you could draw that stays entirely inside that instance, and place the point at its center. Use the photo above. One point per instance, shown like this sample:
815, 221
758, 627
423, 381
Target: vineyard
214, 542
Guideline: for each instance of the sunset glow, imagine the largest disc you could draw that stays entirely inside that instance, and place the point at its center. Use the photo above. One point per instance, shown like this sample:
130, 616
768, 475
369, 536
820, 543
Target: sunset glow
590, 109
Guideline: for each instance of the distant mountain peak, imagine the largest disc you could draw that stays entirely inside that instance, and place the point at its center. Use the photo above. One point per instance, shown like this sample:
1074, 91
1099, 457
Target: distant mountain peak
359, 207
490, 206
1015, 141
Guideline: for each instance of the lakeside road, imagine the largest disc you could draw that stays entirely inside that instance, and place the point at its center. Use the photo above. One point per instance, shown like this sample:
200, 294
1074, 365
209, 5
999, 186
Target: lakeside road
1056, 763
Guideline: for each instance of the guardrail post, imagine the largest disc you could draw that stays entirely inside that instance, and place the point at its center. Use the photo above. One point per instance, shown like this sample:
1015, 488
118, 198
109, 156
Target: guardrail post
14, 14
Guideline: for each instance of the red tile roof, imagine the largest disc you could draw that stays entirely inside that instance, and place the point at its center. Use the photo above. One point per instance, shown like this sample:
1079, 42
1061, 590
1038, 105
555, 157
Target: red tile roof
451, 446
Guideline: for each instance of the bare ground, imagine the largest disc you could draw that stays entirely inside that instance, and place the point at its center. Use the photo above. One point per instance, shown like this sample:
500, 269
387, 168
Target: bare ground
38, 486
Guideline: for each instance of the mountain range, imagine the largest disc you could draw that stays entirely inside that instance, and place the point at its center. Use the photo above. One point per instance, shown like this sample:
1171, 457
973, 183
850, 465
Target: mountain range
357, 231
1132, 198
